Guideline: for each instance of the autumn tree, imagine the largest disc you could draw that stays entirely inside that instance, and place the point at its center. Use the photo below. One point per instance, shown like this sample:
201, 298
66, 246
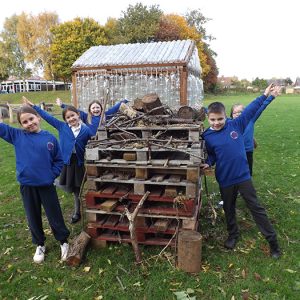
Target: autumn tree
139, 23
35, 37
70, 40
12, 58
173, 26
197, 20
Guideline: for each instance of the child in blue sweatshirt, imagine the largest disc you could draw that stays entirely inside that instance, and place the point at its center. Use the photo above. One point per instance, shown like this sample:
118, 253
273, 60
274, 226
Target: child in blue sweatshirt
93, 117
225, 148
38, 163
248, 134
73, 137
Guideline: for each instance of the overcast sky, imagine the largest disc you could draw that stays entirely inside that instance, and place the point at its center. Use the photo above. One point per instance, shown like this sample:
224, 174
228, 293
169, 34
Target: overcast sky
254, 38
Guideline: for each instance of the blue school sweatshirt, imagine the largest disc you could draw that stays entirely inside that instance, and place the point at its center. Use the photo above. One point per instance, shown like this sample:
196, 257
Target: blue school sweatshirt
67, 139
95, 120
226, 149
249, 131
38, 156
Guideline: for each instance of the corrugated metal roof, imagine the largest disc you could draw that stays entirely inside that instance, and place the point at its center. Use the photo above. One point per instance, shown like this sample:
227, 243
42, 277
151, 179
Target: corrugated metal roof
136, 54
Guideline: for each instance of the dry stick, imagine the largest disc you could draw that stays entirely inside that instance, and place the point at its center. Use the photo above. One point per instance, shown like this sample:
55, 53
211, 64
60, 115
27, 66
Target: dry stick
123, 130
131, 218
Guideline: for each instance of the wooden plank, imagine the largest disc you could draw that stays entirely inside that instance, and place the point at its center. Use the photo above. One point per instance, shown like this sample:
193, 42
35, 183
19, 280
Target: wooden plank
161, 224
171, 191
158, 177
108, 205
174, 178
141, 174
193, 175
129, 156
92, 170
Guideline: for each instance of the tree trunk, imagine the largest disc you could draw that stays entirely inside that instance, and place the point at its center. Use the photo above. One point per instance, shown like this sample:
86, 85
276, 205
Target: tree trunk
77, 248
151, 101
189, 251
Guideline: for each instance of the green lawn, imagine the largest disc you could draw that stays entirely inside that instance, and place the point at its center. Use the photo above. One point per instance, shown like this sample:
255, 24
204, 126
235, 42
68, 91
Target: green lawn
245, 273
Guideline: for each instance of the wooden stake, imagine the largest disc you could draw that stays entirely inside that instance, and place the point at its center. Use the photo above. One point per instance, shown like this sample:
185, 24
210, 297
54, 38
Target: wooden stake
131, 218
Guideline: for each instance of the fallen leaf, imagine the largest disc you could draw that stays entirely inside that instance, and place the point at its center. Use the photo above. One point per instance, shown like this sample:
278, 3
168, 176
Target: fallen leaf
244, 274
137, 284
109, 261
190, 291
60, 289
98, 297
86, 269
257, 276
290, 271
100, 271
230, 265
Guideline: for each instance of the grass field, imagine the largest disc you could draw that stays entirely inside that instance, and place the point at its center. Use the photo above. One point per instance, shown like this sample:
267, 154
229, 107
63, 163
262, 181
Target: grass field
245, 273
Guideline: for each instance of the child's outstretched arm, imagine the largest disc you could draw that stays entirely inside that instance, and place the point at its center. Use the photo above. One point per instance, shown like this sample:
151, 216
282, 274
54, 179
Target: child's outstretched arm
114, 109
83, 115
251, 109
47, 117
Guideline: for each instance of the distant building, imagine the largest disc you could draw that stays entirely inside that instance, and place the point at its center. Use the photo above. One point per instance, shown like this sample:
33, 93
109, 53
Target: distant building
227, 82
32, 84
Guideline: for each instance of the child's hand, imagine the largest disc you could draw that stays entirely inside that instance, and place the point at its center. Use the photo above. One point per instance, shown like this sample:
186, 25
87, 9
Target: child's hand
58, 102
268, 89
204, 166
26, 101
275, 91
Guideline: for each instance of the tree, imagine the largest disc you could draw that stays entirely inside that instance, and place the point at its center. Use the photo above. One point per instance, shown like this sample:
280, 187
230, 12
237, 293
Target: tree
70, 40
35, 37
288, 81
260, 83
173, 26
12, 62
139, 23
196, 19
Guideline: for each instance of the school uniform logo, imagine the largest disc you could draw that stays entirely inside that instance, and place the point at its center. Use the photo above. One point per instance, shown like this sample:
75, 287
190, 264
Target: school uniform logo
234, 135
50, 146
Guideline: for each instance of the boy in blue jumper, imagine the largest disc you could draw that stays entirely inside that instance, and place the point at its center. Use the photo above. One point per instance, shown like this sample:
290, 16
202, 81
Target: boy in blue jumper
225, 148
38, 163
248, 134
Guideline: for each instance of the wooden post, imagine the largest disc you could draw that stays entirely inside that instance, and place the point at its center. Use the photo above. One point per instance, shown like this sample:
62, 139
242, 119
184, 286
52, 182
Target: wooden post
74, 94
183, 86
189, 251
11, 114
131, 218
77, 248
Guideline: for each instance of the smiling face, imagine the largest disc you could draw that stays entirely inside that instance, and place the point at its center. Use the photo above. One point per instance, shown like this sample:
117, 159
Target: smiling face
72, 118
237, 110
30, 122
216, 120
95, 109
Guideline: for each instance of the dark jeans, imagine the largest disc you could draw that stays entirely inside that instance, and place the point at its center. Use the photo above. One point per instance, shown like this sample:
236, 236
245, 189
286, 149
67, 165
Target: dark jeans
248, 193
250, 161
46, 196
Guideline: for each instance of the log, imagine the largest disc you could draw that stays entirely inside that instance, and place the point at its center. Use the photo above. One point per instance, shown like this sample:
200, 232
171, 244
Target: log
189, 251
77, 248
151, 101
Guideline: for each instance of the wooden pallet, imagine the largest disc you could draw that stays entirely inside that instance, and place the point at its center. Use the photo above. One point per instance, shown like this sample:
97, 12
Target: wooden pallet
186, 154
157, 205
188, 132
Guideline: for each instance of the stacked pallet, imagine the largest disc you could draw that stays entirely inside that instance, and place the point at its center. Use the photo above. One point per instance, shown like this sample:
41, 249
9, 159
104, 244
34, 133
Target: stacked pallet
126, 162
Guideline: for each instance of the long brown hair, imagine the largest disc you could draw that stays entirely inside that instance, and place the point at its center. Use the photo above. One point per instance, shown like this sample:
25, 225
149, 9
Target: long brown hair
89, 118
25, 109
69, 108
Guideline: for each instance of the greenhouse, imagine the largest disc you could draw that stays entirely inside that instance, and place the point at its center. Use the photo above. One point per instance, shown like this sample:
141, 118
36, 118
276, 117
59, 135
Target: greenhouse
170, 69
